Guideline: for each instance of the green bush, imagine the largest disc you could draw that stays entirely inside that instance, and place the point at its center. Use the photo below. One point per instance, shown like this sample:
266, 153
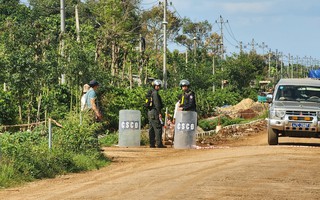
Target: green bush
112, 139
8, 108
207, 125
109, 140
7, 173
210, 124
26, 156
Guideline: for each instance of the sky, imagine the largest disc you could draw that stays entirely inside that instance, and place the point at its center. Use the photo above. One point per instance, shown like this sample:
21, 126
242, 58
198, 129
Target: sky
290, 27
285, 26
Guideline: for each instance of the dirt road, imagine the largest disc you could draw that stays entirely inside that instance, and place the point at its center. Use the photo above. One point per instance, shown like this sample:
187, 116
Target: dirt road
245, 169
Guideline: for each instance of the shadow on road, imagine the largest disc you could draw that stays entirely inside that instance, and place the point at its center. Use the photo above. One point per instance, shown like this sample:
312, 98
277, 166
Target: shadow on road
299, 144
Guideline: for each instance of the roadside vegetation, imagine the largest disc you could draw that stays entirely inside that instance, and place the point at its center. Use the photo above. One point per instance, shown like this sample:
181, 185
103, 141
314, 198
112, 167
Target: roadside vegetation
26, 156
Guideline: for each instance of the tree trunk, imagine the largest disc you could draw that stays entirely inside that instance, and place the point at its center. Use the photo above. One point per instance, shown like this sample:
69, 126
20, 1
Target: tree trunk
130, 75
39, 106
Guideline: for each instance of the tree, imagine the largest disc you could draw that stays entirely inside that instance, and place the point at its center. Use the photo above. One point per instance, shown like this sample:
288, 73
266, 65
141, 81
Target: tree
194, 34
152, 32
152, 27
118, 26
241, 70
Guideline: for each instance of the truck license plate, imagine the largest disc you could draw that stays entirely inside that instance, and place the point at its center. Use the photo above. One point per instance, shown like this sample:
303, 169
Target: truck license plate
300, 125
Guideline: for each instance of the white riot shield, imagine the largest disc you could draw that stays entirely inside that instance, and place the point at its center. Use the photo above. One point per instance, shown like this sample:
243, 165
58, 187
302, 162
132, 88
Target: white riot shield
129, 128
185, 130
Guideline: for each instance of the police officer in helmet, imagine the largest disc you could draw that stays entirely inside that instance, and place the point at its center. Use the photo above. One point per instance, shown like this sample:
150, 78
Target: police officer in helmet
154, 116
188, 97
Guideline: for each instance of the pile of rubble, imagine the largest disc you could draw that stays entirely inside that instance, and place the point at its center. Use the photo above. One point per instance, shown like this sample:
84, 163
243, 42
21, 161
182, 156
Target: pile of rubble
246, 109
233, 132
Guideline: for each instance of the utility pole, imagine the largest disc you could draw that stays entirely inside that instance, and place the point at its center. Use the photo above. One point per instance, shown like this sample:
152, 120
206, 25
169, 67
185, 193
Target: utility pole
77, 23
263, 46
253, 44
269, 62
241, 47
63, 16
164, 44
276, 63
291, 65
195, 50
213, 72
281, 64
298, 58
221, 21
186, 59
194, 45
63, 30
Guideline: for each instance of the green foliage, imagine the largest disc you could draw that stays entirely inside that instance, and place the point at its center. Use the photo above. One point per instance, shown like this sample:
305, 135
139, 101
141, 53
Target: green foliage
227, 121
210, 124
8, 108
191, 30
145, 138
241, 70
152, 26
109, 140
26, 156
223, 97
112, 139
75, 138
34, 54
23, 151
169, 99
207, 124
117, 99
7, 173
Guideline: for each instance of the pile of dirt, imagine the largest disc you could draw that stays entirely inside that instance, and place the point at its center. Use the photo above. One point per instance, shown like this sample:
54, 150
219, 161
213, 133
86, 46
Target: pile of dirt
246, 109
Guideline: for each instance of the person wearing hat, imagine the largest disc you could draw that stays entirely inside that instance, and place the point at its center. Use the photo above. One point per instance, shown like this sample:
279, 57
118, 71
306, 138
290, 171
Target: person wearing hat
91, 100
155, 117
86, 88
187, 98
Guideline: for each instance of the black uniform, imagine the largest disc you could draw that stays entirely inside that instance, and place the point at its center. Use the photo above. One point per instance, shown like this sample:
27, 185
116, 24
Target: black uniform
188, 101
155, 130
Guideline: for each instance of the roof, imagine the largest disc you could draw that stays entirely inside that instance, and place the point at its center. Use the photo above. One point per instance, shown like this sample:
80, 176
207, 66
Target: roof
299, 81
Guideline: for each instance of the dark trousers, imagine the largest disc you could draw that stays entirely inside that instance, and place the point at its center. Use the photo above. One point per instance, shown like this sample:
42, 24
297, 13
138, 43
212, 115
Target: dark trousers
155, 130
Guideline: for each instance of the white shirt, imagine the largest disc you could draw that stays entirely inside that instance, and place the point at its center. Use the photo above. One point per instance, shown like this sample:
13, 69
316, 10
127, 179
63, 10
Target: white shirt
176, 109
83, 101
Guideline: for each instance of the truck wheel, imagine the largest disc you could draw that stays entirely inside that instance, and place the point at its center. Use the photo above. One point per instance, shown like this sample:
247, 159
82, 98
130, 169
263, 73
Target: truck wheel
272, 137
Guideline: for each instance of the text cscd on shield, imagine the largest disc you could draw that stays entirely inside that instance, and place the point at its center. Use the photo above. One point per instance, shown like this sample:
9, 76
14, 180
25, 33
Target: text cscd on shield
185, 126
130, 125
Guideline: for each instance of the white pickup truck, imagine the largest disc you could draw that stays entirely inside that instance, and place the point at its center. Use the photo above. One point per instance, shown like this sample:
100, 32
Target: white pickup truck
294, 110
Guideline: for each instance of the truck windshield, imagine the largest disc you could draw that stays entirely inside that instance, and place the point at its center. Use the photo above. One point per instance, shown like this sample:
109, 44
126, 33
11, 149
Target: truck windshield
298, 93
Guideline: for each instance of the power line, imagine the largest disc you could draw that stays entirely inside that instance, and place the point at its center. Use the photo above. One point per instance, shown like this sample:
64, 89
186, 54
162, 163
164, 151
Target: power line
147, 4
153, 4
230, 42
176, 10
231, 33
